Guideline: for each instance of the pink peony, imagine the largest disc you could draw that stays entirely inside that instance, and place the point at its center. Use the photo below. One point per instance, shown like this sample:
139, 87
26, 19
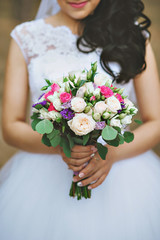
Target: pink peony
65, 97
93, 98
46, 95
106, 91
55, 87
51, 108
119, 97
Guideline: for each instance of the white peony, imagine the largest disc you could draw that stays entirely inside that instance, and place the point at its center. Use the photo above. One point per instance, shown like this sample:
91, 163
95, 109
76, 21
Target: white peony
82, 124
115, 123
54, 115
78, 104
102, 79
126, 120
100, 107
81, 91
57, 104
113, 104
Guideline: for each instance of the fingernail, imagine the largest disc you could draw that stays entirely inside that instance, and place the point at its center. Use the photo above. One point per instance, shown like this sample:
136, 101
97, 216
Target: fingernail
93, 148
81, 175
79, 184
92, 155
74, 180
89, 187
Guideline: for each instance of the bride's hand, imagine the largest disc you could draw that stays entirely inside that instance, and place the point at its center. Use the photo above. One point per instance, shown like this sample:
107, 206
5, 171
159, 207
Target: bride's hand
95, 172
80, 155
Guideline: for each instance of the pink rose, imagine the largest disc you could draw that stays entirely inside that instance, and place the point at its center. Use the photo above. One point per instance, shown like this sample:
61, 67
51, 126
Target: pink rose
106, 91
55, 87
51, 108
46, 95
93, 98
65, 97
119, 97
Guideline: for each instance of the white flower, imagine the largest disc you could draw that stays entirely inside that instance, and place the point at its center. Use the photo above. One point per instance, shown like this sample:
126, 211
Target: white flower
113, 104
83, 76
82, 124
53, 97
77, 74
57, 104
44, 114
54, 115
81, 91
102, 79
100, 107
126, 120
96, 92
78, 104
89, 87
128, 103
106, 115
115, 123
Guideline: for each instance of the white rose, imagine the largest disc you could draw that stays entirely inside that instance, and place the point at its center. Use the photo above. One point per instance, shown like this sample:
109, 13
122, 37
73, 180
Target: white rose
115, 123
100, 107
81, 91
57, 104
126, 120
102, 79
54, 115
44, 114
78, 104
89, 87
82, 124
113, 104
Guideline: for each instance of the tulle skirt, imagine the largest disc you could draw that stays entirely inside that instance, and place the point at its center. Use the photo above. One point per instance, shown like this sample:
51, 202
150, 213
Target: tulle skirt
35, 202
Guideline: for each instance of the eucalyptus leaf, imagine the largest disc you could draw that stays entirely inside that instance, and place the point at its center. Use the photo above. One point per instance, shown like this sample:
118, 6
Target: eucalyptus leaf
121, 139
45, 126
71, 141
66, 147
34, 115
78, 140
102, 150
53, 134
34, 123
128, 137
55, 141
114, 143
109, 133
45, 140
85, 139
117, 129
138, 121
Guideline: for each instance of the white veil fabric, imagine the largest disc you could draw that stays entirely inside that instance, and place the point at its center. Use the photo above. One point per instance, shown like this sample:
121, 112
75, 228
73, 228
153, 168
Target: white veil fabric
47, 8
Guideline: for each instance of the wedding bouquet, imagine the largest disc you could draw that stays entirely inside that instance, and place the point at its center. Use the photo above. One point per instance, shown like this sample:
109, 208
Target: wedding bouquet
78, 110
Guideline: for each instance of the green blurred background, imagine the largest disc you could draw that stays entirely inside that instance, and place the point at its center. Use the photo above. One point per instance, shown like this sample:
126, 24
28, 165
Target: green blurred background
17, 11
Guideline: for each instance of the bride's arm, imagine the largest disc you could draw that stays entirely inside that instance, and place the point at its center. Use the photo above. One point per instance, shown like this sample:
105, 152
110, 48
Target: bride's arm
147, 88
16, 131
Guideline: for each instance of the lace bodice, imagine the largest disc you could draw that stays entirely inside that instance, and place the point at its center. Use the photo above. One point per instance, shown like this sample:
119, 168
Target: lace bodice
51, 52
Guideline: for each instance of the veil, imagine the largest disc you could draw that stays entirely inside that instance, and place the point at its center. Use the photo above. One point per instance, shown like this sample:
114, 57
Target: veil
47, 8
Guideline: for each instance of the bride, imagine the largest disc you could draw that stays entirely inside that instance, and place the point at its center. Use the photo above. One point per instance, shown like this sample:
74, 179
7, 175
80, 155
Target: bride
34, 184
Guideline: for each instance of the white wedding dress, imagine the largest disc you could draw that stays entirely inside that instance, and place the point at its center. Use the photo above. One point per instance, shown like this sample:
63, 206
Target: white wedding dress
34, 188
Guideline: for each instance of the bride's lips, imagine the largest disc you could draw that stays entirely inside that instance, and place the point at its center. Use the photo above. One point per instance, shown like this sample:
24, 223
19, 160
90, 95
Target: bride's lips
78, 5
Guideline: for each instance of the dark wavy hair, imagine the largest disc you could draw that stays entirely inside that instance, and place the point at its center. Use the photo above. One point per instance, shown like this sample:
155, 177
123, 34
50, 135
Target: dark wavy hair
119, 28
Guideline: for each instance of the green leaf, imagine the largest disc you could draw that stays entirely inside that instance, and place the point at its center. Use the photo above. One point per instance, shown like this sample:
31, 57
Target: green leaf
118, 129
34, 123
109, 133
71, 142
45, 126
138, 121
82, 82
85, 139
74, 91
48, 82
55, 141
53, 134
44, 88
128, 137
38, 106
45, 140
102, 150
66, 147
121, 139
78, 140
35, 115
65, 79
114, 143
